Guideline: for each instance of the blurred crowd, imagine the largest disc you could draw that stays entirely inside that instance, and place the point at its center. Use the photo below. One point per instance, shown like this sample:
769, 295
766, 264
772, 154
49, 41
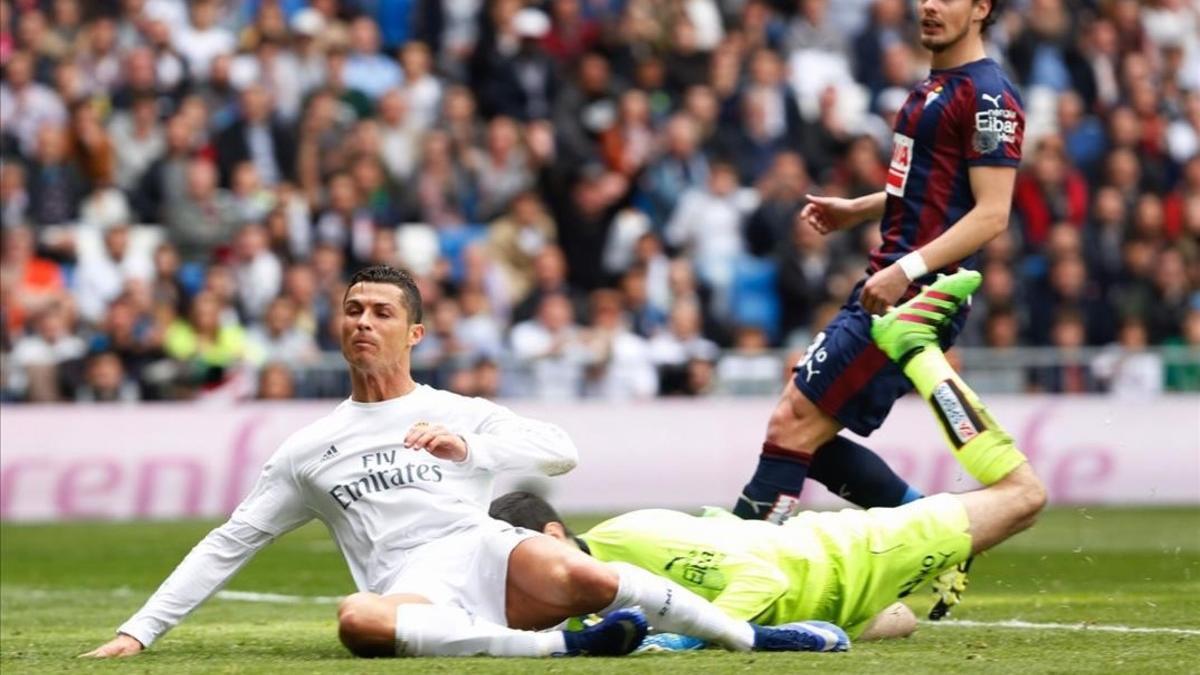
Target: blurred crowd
603, 192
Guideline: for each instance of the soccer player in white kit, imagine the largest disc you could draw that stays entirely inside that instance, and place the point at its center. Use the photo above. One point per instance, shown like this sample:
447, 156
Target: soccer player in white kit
401, 474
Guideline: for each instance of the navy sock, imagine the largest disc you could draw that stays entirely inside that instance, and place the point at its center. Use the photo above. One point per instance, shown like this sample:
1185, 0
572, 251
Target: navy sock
858, 475
773, 493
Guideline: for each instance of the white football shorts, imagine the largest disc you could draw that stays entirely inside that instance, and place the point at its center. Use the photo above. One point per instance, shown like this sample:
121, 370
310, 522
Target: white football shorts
467, 569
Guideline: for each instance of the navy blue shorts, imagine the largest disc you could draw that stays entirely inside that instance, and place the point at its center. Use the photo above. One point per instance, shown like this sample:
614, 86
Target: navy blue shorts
845, 375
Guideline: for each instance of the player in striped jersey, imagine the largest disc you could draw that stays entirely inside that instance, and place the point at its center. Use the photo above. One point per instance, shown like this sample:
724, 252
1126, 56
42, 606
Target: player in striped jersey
956, 146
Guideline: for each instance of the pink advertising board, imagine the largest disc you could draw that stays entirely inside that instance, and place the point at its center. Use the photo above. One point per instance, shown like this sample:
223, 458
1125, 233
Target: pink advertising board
192, 460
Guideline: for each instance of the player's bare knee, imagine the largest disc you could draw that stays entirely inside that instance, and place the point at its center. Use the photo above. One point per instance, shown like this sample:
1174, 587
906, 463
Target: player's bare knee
896, 621
361, 629
358, 621
1030, 492
353, 605
1035, 498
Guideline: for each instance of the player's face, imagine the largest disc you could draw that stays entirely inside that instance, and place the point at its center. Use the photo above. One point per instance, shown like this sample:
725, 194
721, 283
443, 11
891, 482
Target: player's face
376, 332
945, 22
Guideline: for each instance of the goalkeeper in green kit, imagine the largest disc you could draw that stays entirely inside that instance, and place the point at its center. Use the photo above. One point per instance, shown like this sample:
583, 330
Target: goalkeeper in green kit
848, 567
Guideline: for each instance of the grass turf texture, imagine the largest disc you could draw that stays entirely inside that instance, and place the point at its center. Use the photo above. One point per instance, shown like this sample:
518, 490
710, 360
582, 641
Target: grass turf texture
64, 588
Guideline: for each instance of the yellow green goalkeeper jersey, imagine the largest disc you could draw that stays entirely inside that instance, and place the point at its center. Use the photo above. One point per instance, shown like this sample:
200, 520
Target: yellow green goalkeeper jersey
744, 567
843, 567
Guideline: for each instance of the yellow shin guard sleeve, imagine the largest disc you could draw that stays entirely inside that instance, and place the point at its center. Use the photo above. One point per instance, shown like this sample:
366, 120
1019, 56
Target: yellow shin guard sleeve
983, 448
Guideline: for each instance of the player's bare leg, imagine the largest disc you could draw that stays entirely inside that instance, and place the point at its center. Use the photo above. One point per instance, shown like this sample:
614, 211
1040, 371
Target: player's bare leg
367, 622
372, 625
548, 581
1004, 508
795, 431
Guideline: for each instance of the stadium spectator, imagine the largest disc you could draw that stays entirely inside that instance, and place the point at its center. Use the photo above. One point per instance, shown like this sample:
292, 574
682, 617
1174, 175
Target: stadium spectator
500, 170
26, 104
620, 367
55, 183
681, 166
136, 338
804, 271
40, 358
366, 69
202, 38
551, 346
256, 138
205, 217
645, 318
1049, 192
103, 271
351, 133
14, 197
105, 381
206, 348
138, 139
707, 227
1068, 333
278, 338
399, 131
749, 367
1126, 369
32, 283
275, 383
674, 349
517, 237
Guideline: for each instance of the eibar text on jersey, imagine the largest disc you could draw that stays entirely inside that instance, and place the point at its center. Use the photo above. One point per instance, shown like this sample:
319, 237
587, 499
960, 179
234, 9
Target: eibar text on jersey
345, 494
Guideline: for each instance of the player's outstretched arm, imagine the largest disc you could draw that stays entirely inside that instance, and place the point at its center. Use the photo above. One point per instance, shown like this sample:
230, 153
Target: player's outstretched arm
275, 506
204, 571
830, 214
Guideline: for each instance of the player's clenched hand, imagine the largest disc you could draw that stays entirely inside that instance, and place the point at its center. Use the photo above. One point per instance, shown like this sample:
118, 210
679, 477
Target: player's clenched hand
437, 440
829, 214
883, 289
122, 645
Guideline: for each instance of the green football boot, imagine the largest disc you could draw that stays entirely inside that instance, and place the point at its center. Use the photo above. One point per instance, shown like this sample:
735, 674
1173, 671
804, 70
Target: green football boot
914, 325
949, 587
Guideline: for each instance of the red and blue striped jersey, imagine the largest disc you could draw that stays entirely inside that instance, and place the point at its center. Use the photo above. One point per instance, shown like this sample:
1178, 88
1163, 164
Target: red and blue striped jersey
957, 118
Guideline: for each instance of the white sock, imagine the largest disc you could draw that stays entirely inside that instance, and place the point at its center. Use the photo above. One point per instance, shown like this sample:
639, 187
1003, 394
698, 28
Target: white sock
439, 630
671, 608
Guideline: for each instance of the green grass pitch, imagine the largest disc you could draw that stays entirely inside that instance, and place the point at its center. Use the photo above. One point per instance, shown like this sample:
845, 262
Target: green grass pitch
64, 588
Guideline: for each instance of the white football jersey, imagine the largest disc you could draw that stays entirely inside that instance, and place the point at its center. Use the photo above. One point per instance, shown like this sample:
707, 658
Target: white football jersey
379, 499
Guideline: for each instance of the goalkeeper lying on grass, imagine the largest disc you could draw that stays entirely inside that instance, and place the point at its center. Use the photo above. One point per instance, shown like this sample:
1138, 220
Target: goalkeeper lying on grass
848, 567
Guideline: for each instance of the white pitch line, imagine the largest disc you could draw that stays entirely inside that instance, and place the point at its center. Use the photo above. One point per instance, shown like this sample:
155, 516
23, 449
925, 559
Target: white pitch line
247, 596
282, 599
1082, 627
278, 598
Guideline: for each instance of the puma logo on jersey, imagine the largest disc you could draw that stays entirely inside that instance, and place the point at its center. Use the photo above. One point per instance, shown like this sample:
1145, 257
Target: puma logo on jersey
814, 354
994, 100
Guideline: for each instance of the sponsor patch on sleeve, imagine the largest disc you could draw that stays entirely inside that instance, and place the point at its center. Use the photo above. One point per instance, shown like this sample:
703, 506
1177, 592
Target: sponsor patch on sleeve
994, 123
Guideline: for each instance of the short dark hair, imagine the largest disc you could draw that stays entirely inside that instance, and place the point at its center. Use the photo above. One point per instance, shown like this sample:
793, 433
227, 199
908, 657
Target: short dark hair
993, 14
525, 509
386, 274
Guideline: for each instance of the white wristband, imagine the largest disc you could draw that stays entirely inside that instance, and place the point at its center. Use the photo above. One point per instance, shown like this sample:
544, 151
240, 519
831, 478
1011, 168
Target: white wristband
913, 265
